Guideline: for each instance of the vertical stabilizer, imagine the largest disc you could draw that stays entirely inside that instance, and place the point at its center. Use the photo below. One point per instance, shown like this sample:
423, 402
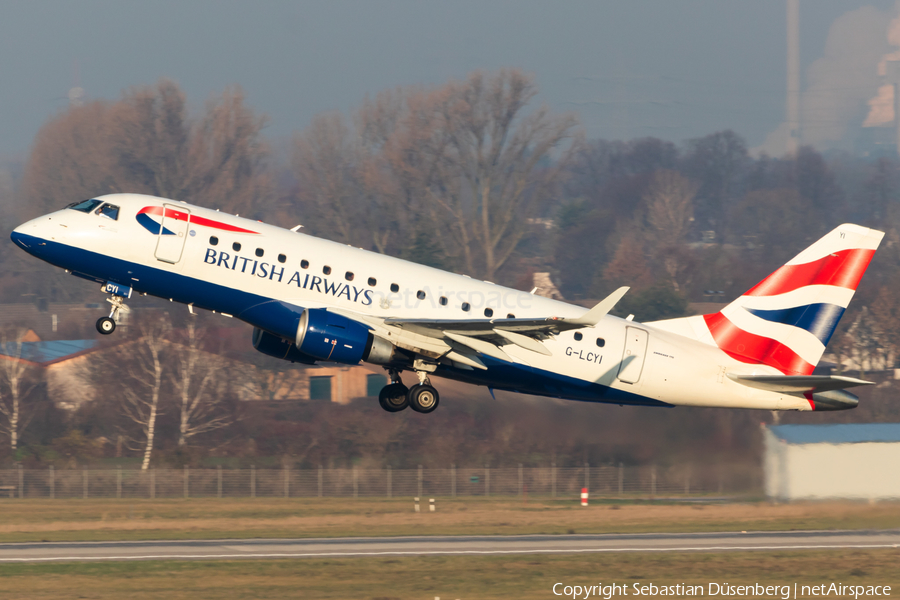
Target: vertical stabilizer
786, 320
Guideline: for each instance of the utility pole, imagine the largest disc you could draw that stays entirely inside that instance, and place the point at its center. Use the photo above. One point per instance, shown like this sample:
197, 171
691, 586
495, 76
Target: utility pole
892, 76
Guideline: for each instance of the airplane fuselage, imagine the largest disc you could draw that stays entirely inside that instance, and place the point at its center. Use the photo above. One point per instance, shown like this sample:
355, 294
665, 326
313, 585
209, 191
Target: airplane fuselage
266, 275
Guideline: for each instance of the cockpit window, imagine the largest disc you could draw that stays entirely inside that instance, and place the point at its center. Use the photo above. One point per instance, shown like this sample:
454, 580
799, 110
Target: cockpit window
110, 211
85, 206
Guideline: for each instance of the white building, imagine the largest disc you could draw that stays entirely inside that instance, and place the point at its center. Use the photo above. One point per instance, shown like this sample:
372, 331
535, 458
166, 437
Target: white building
812, 462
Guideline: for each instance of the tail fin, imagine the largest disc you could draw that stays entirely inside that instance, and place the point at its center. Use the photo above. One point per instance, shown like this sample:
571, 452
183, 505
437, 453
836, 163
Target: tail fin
786, 320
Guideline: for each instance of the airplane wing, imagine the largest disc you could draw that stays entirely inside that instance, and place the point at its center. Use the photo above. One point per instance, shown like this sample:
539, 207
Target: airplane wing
463, 340
507, 331
798, 383
531, 327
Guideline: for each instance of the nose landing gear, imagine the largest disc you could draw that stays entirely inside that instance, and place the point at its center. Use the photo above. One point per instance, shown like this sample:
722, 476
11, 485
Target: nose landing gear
117, 295
106, 325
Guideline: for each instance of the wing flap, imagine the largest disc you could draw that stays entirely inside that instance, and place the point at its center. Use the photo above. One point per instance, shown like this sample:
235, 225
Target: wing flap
479, 346
523, 341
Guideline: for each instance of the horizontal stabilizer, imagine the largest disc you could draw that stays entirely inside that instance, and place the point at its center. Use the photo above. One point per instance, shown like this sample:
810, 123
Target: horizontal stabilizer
798, 383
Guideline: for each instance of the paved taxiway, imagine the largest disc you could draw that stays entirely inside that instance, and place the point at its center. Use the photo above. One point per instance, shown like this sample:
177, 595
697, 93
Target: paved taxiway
462, 545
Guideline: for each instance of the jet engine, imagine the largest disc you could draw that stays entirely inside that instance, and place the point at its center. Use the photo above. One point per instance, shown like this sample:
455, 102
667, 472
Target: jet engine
272, 345
326, 336
329, 336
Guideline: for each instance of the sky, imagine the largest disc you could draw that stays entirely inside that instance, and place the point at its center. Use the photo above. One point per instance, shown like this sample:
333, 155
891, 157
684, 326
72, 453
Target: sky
675, 69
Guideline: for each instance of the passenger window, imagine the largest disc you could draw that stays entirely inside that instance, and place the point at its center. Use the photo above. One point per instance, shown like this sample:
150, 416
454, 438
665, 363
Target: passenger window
304, 264
327, 270
213, 240
348, 276
282, 258
578, 336
443, 300
372, 281
259, 252
601, 342
465, 306
109, 211
489, 312
85, 206
420, 295
236, 247
395, 288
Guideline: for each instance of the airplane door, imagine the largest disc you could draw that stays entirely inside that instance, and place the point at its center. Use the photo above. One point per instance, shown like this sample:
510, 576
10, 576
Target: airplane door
172, 234
633, 359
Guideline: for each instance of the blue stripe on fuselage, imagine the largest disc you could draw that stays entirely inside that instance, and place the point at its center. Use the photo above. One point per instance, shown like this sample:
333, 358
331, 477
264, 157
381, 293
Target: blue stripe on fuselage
281, 319
152, 226
818, 319
524, 379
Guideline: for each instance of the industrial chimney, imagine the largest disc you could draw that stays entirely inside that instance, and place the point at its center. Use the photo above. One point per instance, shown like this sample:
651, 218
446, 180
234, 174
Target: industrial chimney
793, 76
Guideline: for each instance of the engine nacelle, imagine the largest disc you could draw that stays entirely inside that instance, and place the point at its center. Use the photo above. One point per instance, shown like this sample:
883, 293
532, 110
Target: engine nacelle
333, 337
272, 345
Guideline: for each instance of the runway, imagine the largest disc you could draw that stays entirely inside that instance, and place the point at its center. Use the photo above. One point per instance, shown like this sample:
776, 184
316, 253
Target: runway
462, 545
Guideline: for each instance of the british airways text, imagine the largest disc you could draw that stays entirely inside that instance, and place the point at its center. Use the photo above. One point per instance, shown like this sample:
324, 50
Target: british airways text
275, 273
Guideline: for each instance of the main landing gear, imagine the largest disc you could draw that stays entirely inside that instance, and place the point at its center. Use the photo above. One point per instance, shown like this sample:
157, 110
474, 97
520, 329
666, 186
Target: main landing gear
421, 397
106, 325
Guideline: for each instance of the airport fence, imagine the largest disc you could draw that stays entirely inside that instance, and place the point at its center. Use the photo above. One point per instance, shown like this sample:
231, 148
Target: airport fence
601, 481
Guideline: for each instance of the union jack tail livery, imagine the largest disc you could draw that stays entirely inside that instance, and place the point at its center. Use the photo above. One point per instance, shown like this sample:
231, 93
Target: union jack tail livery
786, 320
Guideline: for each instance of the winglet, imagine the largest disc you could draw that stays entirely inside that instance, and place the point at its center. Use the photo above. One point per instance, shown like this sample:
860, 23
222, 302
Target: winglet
593, 316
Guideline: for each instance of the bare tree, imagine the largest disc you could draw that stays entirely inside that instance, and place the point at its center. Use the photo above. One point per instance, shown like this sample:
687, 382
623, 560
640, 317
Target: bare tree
669, 202
628, 264
149, 137
861, 344
886, 314
463, 162
146, 143
492, 175
69, 160
325, 160
15, 386
670, 208
195, 378
144, 377
228, 157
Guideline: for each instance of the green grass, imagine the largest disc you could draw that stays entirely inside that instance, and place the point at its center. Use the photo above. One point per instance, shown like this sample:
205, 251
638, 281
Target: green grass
521, 577
70, 520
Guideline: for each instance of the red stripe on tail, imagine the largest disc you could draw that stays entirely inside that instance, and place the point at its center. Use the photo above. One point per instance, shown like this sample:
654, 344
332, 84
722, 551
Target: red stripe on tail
754, 349
842, 269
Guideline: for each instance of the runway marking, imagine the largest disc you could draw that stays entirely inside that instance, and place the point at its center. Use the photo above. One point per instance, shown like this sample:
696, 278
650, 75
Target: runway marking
442, 552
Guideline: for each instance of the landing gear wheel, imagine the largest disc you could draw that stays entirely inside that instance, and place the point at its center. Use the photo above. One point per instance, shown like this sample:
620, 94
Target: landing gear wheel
423, 398
105, 325
393, 397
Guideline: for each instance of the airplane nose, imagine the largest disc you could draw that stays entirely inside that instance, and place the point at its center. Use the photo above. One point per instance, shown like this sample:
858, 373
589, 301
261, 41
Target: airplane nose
21, 236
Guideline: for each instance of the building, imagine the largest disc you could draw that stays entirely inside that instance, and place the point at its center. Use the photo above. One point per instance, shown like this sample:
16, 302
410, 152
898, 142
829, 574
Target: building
60, 362
814, 462
64, 363
328, 382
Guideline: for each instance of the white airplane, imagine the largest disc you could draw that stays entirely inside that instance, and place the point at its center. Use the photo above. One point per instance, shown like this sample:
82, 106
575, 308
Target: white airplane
312, 300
